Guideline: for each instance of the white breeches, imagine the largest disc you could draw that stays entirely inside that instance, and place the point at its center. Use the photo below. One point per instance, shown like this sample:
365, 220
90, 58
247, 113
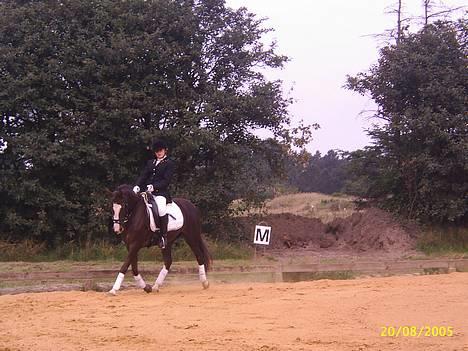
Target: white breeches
162, 206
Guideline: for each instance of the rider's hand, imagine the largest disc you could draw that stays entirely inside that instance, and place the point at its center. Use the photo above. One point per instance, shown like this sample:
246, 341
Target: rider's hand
150, 188
136, 189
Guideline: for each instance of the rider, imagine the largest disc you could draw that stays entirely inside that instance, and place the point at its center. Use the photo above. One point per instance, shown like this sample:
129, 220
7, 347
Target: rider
156, 177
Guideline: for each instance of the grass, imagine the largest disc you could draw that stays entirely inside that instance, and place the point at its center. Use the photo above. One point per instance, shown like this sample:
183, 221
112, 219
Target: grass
312, 205
28, 251
448, 241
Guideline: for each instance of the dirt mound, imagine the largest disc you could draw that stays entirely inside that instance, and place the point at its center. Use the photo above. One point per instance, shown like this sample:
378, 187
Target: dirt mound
288, 230
372, 229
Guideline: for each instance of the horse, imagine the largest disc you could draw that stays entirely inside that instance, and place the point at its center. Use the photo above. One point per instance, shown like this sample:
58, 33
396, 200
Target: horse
131, 220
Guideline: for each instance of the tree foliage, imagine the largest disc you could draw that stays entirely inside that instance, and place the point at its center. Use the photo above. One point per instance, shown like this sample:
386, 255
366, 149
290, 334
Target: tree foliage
324, 174
86, 85
418, 164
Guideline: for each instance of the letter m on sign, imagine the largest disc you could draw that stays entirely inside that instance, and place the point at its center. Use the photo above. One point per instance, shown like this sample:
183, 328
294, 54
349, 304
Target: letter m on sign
262, 235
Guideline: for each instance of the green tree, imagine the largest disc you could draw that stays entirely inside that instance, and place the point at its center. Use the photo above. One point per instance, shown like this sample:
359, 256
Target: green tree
325, 174
418, 165
85, 87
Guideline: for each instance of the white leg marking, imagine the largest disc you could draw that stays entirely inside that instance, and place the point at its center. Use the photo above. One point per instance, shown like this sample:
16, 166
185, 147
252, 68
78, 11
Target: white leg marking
140, 283
202, 276
160, 280
117, 284
202, 273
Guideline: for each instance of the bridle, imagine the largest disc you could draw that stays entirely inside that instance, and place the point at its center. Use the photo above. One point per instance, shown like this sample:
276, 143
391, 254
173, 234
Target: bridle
122, 219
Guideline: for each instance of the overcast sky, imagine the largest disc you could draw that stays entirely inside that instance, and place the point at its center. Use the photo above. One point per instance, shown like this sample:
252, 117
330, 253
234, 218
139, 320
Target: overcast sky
326, 40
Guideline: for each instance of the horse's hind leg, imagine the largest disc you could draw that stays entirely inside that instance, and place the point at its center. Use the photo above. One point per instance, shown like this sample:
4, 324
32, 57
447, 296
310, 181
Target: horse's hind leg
167, 257
196, 248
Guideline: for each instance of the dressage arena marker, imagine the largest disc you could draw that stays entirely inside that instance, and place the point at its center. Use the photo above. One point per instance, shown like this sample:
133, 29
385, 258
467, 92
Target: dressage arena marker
262, 235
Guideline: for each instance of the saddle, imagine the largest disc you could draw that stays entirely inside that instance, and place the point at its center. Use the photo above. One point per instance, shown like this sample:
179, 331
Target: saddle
176, 219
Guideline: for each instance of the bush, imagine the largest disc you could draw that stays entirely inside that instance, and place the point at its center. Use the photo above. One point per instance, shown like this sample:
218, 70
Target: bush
30, 251
444, 240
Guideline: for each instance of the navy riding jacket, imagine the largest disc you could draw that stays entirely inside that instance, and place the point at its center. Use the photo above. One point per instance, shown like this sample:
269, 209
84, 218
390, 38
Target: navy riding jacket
159, 175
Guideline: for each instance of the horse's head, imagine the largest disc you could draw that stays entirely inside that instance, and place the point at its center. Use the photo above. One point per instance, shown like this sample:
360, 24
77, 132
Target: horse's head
123, 201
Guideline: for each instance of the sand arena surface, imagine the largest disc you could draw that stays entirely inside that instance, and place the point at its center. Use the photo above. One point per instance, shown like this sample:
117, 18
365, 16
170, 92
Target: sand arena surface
318, 315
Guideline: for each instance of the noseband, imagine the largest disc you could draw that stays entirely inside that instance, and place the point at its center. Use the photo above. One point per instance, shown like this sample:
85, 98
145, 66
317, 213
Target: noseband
120, 221
125, 218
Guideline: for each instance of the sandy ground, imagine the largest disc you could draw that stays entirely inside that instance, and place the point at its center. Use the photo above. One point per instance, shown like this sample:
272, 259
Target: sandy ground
318, 315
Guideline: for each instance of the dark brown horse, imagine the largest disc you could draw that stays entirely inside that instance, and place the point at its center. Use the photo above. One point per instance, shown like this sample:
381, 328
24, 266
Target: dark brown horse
132, 222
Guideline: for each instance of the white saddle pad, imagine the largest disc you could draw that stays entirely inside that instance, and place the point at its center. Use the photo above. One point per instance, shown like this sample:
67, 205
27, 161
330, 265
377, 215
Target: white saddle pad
176, 219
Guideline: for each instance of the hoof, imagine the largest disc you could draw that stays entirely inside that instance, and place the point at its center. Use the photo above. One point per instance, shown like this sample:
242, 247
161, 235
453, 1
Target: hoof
148, 288
206, 284
156, 287
112, 292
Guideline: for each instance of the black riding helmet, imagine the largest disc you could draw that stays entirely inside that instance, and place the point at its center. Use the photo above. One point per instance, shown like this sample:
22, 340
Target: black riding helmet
159, 145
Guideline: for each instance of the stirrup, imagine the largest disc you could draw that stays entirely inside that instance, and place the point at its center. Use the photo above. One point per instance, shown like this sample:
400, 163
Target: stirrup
162, 243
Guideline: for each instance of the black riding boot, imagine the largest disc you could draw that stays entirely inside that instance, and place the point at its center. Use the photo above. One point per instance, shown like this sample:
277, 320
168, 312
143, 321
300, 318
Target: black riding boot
163, 220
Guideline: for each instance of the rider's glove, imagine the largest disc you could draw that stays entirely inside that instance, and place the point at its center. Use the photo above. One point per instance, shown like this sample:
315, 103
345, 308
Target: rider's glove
150, 188
136, 189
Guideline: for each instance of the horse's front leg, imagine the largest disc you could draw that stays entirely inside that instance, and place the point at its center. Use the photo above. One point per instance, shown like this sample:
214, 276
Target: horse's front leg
140, 283
132, 254
167, 257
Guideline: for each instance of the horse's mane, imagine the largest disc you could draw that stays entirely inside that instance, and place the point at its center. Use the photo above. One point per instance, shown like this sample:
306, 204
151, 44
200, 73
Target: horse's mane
126, 191
124, 188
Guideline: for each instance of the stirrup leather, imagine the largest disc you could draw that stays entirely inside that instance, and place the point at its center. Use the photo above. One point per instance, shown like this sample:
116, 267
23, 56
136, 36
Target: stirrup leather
151, 210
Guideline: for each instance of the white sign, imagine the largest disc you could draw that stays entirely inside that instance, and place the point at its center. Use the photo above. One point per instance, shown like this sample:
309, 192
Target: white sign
262, 235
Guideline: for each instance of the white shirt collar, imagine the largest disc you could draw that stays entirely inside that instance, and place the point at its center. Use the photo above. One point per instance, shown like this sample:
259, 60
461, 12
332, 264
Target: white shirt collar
158, 161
